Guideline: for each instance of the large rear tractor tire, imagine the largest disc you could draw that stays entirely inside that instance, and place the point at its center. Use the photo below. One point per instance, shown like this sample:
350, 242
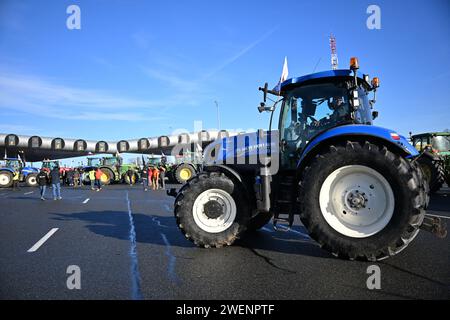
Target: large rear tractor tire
31, 180
433, 170
6, 179
362, 201
184, 172
212, 210
107, 176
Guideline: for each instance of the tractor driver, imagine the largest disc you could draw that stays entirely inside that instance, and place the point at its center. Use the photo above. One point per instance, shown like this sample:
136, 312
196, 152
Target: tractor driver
339, 108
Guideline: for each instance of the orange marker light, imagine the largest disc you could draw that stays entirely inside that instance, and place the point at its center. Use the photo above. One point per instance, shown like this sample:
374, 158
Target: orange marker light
375, 82
354, 64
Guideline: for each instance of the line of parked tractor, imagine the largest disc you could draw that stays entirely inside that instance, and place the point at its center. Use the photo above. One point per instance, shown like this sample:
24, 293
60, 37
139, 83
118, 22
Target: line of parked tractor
434, 161
178, 169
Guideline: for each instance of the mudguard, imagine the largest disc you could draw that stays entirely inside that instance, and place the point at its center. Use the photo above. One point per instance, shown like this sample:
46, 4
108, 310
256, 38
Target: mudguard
389, 136
7, 169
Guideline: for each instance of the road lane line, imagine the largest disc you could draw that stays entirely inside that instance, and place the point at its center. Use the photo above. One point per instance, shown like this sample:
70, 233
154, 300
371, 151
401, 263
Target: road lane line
136, 277
28, 192
86, 201
172, 260
43, 239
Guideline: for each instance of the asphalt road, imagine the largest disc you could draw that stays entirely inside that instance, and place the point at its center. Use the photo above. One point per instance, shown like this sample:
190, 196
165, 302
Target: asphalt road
127, 246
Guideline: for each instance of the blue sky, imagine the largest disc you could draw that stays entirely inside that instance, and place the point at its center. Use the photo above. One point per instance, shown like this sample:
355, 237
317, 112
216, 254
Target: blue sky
146, 68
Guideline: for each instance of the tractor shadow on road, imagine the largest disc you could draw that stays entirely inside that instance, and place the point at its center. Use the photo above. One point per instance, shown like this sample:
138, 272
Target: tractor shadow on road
163, 231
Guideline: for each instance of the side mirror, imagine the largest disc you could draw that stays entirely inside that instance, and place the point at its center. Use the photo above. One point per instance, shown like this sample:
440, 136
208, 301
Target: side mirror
374, 115
261, 107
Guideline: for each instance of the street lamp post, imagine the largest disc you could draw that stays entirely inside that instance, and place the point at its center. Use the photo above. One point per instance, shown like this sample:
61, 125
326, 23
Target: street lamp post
218, 115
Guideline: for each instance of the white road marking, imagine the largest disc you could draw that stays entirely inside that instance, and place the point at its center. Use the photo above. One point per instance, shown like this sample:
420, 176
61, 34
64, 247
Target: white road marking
86, 201
41, 242
28, 192
136, 277
437, 216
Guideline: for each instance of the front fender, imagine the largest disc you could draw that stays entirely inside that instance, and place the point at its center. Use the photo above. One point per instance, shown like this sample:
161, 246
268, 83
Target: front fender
388, 136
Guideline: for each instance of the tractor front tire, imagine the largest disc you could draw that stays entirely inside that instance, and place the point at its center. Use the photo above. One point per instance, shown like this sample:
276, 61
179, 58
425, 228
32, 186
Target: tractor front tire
6, 179
211, 210
107, 176
31, 180
361, 201
184, 172
433, 170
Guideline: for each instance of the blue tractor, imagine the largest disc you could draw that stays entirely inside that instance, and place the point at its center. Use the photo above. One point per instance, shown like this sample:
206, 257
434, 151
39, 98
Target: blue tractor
11, 166
355, 186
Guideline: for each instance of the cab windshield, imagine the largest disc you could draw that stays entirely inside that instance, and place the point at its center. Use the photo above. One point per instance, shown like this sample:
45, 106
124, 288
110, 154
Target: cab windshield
94, 162
441, 143
311, 109
110, 161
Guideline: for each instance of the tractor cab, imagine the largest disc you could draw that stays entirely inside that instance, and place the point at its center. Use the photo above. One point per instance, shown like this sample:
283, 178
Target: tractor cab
14, 163
94, 162
437, 142
112, 161
49, 165
315, 103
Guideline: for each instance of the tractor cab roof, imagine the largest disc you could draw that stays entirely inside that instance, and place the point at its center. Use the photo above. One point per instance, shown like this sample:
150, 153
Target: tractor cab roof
427, 134
298, 81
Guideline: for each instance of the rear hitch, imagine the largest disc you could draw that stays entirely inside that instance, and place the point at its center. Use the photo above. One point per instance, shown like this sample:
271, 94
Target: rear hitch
172, 192
435, 225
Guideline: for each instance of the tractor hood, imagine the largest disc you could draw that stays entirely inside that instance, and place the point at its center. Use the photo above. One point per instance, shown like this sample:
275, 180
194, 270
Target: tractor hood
247, 148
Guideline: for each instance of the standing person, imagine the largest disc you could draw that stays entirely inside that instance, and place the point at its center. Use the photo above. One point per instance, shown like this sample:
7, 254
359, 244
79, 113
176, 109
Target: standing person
98, 179
42, 179
144, 175
150, 176
162, 176
92, 178
130, 174
80, 171
16, 176
155, 178
70, 178
76, 178
56, 183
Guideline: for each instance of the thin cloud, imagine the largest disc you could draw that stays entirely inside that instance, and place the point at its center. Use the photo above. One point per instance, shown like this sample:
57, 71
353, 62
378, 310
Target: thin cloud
241, 53
35, 96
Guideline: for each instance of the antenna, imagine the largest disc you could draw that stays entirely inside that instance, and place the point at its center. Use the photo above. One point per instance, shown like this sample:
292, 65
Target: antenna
334, 58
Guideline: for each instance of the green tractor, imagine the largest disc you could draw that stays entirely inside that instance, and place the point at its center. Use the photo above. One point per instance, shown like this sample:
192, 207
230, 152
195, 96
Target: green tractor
186, 166
113, 168
435, 158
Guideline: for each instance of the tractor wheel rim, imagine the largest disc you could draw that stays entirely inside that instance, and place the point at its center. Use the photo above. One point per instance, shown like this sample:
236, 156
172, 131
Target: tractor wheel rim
356, 201
185, 174
104, 178
32, 181
224, 220
4, 179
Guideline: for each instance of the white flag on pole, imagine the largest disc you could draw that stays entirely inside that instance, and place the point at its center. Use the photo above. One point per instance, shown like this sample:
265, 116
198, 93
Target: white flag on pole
284, 75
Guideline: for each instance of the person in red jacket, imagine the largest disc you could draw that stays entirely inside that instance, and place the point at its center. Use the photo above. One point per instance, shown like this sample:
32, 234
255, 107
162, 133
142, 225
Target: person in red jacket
155, 178
150, 176
98, 179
